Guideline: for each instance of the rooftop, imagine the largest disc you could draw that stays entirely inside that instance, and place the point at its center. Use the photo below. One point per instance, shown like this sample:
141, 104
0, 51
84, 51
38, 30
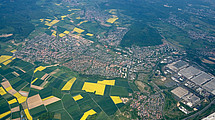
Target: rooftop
202, 78
210, 86
175, 66
180, 64
190, 72
180, 92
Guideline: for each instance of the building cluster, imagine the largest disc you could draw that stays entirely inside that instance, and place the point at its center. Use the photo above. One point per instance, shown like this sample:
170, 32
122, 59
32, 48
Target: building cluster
53, 50
187, 97
193, 83
148, 107
114, 36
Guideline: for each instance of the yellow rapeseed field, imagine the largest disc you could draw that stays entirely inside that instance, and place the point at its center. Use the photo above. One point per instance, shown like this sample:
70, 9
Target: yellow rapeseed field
54, 33
2, 91
89, 34
8, 61
69, 84
57, 4
48, 20
13, 51
77, 97
66, 32
34, 80
40, 68
82, 22
4, 114
41, 20
12, 101
116, 99
78, 18
47, 98
19, 97
28, 114
112, 20
62, 34
94, 87
8, 88
51, 23
62, 17
22, 99
107, 82
4, 58
86, 114
112, 11
78, 30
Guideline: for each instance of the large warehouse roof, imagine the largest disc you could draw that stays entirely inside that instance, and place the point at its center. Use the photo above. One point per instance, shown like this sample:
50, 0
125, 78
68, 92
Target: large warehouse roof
189, 72
202, 78
180, 92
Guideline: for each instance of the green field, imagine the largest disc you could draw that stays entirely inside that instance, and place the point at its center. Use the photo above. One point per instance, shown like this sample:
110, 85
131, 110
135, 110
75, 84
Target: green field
119, 91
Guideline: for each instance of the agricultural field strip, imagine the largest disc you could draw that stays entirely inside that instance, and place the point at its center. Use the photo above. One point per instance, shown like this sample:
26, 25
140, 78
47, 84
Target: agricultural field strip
77, 97
40, 68
50, 100
13, 92
99, 87
69, 84
27, 111
116, 99
34, 101
77, 104
4, 58
19, 74
13, 51
75, 101
59, 76
76, 29
65, 109
28, 114
24, 86
114, 103
88, 113
10, 106
2, 91
98, 105
117, 108
5, 114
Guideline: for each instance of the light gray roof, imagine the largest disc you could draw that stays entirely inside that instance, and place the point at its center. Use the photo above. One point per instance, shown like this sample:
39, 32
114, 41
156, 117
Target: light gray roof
180, 64
189, 72
202, 78
180, 92
210, 86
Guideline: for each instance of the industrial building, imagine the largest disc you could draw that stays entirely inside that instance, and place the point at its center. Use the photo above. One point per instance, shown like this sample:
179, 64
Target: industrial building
180, 92
189, 72
210, 86
202, 78
187, 97
178, 65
